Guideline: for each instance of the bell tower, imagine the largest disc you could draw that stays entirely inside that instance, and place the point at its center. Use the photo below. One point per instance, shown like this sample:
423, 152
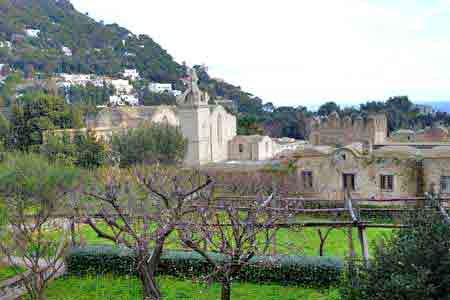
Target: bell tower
194, 119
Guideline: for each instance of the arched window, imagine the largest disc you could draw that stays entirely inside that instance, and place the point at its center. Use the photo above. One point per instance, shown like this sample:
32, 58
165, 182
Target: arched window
165, 121
219, 130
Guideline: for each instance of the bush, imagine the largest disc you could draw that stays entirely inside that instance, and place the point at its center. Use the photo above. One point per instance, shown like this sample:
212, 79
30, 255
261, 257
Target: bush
148, 144
318, 271
413, 264
84, 150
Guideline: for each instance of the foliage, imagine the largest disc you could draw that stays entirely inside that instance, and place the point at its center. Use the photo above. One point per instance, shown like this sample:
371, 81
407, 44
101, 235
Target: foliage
32, 180
413, 264
84, 150
147, 204
29, 183
149, 143
88, 95
97, 48
36, 113
312, 271
150, 98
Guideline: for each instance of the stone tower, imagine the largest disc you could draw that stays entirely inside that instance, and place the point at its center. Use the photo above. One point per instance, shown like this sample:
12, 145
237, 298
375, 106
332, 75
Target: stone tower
194, 120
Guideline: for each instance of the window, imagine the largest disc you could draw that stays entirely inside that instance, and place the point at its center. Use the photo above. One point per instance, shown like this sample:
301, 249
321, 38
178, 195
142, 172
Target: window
307, 179
219, 129
387, 182
241, 148
445, 184
349, 182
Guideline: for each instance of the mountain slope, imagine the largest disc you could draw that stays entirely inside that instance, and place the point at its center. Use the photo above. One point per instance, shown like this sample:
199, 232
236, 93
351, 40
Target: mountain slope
97, 48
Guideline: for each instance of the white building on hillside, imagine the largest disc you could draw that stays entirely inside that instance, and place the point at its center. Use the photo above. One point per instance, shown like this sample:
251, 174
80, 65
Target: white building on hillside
156, 87
34, 33
123, 100
122, 86
5, 44
66, 50
131, 74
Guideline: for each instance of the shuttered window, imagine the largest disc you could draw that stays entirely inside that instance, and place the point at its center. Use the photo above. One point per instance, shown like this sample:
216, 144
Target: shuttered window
445, 184
387, 182
307, 179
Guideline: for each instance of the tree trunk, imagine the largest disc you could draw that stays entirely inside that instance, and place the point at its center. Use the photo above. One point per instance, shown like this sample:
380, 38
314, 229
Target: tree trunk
322, 244
72, 232
226, 289
150, 290
40, 295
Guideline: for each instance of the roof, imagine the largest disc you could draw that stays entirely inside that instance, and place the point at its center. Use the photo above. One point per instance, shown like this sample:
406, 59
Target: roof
251, 138
132, 116
409, 151
314, 151
404, 131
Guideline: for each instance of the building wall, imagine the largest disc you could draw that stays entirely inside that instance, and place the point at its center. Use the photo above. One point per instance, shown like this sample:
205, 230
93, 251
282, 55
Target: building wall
433, 169
337, 132
260, 148
328, 173
222, 130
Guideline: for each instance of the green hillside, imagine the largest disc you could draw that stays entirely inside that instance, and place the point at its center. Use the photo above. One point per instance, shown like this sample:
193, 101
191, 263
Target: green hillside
97, 48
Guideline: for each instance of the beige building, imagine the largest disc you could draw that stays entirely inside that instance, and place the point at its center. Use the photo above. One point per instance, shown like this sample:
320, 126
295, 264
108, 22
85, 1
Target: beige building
428, 135
384, 172
335, 131
207, 128
251, 147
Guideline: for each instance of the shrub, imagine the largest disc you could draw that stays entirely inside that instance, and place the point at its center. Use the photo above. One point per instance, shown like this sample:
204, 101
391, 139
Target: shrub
317, 271
149, 143
84, 150
413, 264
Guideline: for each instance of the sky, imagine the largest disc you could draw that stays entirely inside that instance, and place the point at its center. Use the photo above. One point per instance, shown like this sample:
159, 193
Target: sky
301, 52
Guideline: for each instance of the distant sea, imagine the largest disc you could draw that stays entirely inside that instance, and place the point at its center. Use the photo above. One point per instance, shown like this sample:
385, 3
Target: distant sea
443, 106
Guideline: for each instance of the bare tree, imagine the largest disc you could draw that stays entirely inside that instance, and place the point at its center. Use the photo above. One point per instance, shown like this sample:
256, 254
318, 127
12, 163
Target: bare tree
236, 233
33, 190
323, 236
142, 209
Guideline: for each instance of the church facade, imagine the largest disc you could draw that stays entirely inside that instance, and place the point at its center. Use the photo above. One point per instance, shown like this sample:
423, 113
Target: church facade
207, 128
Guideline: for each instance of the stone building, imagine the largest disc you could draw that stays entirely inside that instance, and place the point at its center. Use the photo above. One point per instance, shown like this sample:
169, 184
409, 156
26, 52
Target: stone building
383, 172
436, 134
207, 128
338, 132
251, 147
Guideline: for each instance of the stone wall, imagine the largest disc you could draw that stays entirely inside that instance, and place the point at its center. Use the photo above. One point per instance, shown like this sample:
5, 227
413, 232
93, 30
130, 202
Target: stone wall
339, 132
328, 173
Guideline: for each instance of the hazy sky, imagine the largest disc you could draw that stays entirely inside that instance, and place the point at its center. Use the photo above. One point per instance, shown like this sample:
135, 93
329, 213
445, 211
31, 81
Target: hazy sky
302, 52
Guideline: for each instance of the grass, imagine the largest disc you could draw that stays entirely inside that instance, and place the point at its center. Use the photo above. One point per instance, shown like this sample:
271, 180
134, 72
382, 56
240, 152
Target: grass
123, 288
8, 272
294, 242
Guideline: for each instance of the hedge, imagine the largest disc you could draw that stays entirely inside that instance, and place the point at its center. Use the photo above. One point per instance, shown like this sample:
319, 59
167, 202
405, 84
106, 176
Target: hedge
281, 269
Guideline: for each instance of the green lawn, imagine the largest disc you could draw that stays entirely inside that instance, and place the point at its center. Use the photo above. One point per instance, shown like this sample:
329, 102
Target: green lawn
109, 288
7, 272
294, 242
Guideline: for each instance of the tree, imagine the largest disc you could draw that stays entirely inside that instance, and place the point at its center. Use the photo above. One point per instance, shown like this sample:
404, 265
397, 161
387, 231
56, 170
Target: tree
412, 264
328, 108
237, 234
141, 209
149, 143
36, 113
84, 150
32, 191
90, 152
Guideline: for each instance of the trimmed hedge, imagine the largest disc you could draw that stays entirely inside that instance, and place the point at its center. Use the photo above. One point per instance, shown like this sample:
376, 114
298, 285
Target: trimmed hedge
315, 271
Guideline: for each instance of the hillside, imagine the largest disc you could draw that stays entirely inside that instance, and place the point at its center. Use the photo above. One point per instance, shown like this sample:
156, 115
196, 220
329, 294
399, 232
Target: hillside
102, 49
96, 48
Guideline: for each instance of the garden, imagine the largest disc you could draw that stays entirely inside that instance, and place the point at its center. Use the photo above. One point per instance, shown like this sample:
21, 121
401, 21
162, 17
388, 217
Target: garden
160, 232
